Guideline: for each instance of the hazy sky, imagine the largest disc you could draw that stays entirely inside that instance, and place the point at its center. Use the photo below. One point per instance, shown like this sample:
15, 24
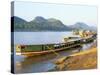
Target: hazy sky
68, 14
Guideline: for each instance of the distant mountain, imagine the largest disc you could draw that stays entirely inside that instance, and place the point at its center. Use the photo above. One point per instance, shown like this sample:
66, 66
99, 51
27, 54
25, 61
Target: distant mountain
39, 19
42, 24
17, 23
83, 26
38, 24
18, 20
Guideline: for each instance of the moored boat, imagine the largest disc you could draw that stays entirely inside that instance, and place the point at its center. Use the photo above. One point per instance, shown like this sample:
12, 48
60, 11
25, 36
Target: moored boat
35, 50
41, 49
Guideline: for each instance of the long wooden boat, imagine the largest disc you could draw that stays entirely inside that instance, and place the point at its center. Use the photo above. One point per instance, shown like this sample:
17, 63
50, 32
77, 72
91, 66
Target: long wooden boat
35, 50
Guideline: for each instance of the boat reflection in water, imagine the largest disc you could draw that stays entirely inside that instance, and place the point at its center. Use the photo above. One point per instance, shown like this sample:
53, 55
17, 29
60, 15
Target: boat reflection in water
41, 63
40, 58
44, 63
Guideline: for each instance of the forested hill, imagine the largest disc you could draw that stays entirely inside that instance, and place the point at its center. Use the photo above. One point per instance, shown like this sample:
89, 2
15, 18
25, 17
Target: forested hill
42, 24
38, 24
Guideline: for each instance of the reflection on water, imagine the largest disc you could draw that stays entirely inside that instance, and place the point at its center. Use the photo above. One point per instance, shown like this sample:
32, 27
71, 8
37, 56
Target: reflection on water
42, 63
87, 46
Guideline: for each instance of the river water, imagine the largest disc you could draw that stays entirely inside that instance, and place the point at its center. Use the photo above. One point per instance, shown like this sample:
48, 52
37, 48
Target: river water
41, 63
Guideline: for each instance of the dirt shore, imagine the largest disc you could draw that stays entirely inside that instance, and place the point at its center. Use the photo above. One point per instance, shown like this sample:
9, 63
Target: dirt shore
83, 60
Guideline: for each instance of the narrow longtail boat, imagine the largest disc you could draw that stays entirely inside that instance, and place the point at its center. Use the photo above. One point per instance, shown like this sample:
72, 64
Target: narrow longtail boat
41, 49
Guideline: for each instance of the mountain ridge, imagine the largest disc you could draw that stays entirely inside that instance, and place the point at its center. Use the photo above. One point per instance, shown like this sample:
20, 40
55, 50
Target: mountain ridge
41, 24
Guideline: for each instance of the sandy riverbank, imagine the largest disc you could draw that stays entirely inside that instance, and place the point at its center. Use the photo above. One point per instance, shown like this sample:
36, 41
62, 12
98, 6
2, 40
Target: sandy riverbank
83, 60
